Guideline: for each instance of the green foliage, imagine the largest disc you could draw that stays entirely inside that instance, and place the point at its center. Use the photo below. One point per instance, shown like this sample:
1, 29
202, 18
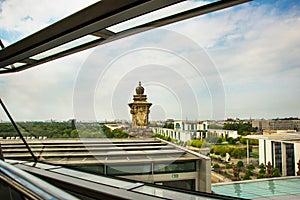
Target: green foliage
250, 141
169, 125
60, 130
225, 173
242, 128
37, 129
199, 143
250, 167
216, 166
262, 171
240, 164
261, 175
167, 138
231, 140
234, 151
214, 126
276, 172
262, 166
239, 153
247, 175
228, 166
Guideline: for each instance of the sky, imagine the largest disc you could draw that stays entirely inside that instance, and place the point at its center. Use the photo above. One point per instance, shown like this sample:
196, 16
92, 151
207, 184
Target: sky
240, 62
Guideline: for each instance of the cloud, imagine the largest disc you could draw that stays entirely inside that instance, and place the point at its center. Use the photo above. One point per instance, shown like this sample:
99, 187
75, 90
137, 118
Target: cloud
28, 16
256, 50
251, 50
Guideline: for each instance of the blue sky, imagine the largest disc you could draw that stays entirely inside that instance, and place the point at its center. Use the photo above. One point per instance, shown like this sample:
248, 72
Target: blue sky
238, 62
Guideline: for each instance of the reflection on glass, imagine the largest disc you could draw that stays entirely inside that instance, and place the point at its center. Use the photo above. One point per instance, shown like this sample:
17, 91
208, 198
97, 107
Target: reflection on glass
175, 167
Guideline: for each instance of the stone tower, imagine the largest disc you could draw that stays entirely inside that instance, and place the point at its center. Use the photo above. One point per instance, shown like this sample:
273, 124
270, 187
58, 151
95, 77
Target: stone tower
140, 109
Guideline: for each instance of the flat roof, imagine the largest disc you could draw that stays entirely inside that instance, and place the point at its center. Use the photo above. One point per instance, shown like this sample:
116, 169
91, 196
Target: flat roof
97, 151
273, 188
287, 137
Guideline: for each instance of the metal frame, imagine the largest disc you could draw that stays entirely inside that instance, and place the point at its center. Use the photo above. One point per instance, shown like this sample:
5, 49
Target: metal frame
94, 20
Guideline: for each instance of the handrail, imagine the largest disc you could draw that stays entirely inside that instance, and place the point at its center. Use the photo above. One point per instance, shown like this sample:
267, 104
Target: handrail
29, 185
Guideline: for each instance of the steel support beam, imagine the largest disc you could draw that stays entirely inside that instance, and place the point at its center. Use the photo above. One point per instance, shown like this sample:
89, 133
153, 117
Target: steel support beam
96, 24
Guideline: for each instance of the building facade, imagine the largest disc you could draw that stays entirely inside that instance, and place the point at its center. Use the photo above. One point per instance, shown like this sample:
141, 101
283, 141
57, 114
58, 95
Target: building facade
188, 130
282, 150
276, 125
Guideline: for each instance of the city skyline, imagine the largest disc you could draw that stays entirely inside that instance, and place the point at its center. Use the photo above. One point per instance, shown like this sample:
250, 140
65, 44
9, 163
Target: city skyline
238, 62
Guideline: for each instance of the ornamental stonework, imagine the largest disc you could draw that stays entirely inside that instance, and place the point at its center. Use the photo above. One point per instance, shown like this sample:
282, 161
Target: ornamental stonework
140, 108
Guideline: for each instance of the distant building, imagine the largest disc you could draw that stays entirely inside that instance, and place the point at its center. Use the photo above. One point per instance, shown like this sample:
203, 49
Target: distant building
224, 133
190, 130
114, 126
276, 124
281, 149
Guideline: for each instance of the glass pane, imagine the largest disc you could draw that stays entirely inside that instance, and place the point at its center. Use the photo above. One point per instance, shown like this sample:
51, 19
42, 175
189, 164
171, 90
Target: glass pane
129, 169
65, 47
94, 169
175, 167
159, 14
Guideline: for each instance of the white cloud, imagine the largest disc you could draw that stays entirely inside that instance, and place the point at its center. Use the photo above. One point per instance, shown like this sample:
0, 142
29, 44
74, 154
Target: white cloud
28, 16
255, 49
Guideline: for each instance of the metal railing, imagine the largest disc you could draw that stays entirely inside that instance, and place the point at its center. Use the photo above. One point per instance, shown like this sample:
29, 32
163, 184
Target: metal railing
28, 185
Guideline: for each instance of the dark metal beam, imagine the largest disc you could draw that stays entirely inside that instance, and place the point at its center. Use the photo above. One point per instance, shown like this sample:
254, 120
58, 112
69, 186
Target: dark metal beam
87, 21
98, 29
18, 130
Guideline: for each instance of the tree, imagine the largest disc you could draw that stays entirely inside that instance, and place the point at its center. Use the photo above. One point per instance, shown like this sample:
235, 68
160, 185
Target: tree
276, 172
168, 125
247, 175
216, 166
240, 164
228, 166
250, 167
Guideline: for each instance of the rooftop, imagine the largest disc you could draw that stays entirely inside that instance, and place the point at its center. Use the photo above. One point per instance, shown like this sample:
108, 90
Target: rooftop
288, 137
103, 151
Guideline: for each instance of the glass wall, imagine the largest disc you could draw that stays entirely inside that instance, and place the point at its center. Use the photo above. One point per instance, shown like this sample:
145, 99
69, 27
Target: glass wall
181, 184
175, 167
277, 155
94, 169
128, 169
290, 160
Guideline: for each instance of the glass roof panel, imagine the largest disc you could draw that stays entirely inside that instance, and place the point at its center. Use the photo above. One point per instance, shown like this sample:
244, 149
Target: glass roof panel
91, 177
64, 47
34, 18
159, 14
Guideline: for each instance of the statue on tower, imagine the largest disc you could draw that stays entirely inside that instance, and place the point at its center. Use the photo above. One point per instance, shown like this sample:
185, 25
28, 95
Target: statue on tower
140, 108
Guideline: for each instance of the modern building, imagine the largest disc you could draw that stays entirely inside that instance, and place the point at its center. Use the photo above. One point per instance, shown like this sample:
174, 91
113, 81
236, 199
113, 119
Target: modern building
145, 160
224, 133
190, 130
276, 124
281, 149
